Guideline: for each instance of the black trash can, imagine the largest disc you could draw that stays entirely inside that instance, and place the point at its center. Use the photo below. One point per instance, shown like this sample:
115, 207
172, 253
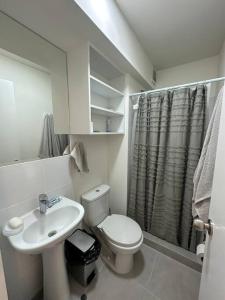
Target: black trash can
82, 249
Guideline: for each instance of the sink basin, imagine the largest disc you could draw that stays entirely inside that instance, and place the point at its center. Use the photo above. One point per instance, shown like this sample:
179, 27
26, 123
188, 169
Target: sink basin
54, 224
43, 231
45, 234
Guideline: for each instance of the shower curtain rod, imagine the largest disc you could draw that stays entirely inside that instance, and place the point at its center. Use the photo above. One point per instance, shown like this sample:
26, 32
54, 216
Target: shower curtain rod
180, 86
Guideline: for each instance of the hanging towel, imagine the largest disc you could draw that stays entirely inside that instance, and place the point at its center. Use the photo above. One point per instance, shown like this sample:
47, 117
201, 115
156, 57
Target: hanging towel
51, 144
203, 177
79, 155
67, 150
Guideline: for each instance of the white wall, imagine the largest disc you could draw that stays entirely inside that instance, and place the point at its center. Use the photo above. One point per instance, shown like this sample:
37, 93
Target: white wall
108, 158
191, 72
20, 185
118, 156
33, 98
97, 156
108, 18
222, 61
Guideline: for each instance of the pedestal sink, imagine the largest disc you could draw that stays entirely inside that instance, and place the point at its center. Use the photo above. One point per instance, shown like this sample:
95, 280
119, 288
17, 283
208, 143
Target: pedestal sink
45, 234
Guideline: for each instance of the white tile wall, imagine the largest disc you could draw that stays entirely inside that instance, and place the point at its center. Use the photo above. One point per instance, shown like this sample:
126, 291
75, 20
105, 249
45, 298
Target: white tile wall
20, 185
57, 173
20, 182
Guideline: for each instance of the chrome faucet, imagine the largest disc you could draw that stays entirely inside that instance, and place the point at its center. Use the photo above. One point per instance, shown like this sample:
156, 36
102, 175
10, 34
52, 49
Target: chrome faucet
45, 203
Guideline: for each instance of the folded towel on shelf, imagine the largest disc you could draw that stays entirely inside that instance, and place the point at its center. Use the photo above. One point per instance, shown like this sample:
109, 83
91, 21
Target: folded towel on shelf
203, 177
79, 156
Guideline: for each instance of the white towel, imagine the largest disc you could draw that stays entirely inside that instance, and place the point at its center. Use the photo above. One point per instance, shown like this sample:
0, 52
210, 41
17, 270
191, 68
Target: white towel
67, 150
203, 177
79, 155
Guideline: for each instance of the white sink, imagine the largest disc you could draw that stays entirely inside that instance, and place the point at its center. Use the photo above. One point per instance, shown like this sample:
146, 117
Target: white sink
43, 231
45, 234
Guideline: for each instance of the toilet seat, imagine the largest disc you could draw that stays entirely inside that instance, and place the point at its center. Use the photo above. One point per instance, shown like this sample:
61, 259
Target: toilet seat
121, 230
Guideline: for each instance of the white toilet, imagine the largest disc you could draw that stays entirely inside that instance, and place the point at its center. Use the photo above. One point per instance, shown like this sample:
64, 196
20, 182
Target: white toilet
121, 234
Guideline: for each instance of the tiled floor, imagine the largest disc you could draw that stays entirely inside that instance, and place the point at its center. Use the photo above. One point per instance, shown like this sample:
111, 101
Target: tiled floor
154, 277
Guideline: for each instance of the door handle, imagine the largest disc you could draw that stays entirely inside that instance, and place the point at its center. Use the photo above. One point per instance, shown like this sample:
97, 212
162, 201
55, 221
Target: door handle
199, 225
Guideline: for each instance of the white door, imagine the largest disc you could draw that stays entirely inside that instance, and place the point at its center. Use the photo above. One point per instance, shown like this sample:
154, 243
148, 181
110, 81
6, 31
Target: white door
213, 274
3, 292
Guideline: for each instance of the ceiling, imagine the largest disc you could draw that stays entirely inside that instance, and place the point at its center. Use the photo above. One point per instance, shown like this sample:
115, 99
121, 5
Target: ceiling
175, 32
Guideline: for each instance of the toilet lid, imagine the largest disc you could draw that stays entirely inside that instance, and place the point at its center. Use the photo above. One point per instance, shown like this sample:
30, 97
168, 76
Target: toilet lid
121, 230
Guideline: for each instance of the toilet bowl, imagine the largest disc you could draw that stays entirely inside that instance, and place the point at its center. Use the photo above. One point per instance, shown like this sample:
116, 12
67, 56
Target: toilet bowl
124, 237
121, 235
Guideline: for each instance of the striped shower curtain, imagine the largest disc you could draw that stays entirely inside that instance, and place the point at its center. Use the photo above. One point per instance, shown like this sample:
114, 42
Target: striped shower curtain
167, 144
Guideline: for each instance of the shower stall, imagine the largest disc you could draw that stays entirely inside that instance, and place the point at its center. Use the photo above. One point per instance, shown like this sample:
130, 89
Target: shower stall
166, 135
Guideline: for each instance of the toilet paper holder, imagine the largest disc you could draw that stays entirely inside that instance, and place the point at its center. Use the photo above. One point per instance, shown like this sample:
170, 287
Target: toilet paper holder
200, 225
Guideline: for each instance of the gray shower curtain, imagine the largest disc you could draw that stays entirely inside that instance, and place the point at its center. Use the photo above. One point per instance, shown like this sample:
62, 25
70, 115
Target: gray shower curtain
167, 144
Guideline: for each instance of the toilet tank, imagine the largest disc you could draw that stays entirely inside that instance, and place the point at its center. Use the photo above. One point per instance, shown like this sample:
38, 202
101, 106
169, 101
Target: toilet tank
96, 205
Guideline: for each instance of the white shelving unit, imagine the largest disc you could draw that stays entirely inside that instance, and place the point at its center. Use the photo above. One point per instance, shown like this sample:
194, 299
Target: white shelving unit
107, 133
103, 89
106, 101
96, 86
105, 112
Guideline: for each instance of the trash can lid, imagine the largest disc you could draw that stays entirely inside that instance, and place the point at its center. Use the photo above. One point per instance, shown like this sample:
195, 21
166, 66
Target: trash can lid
81, 240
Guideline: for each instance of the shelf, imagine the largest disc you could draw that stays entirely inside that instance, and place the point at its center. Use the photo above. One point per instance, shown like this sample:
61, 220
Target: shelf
107, 133
101, 88
105, 112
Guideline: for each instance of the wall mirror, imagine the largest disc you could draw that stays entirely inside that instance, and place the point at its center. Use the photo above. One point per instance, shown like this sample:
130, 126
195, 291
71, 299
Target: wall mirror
34, 112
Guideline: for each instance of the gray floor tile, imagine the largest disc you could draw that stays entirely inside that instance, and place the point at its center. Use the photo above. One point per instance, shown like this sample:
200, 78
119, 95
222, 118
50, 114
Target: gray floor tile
154, 277
110, 286
172, 280
148, 296
143, 265
77, 290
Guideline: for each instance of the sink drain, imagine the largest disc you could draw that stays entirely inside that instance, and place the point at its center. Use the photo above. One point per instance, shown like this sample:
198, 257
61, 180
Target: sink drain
51, 233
